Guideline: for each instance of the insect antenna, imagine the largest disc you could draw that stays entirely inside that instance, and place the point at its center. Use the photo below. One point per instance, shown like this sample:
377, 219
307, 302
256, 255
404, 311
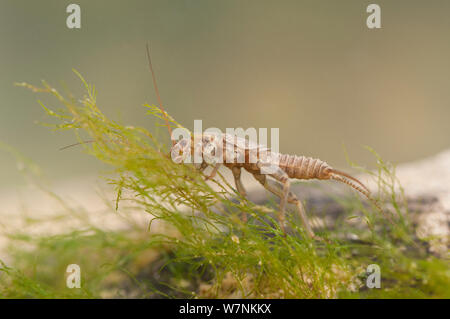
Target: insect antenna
75, 144
157, 93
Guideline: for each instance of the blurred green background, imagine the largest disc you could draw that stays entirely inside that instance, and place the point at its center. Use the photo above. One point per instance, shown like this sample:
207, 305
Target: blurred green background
311, 68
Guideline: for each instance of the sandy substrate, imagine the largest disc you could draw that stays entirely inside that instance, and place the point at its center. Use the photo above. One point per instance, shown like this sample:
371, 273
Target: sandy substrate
71, 205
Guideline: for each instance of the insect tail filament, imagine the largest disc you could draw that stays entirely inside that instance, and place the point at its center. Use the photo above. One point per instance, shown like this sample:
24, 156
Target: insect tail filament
335, 171
363, 190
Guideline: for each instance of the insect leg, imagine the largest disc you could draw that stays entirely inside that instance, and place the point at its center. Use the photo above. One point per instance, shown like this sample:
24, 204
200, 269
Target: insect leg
283, 178
240, 188
213, 172
203, 166
237, 180
277, 189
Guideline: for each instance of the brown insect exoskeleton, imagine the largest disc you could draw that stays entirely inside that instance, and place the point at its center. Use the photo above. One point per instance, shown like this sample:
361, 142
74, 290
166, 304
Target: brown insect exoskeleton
272, 170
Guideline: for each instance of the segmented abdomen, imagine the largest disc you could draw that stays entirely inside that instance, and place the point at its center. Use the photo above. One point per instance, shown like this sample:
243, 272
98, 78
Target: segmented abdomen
303, 167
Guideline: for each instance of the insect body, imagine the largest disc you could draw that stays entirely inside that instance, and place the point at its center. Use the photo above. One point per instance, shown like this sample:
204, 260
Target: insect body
272, 170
